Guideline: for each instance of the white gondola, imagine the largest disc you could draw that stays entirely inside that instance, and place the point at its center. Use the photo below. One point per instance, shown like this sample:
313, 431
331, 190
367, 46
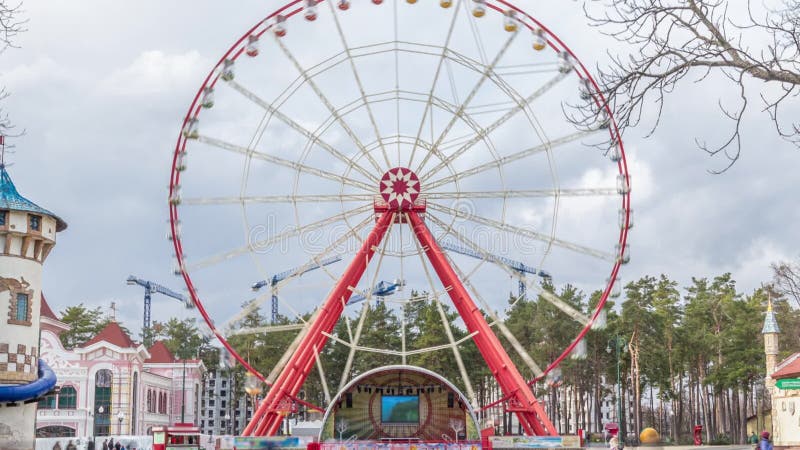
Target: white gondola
623, 216
177, 231
579, 351
601, 321
191, 129
614, 153
616, 290
175, 196
227, 73
624, 255
207, 101
280, 26
310, 11
510, 21
344, 5
180, 162
585, 89
176, 267
539, 41
251, 49
479, 9
565, 63
623, 184
603, 121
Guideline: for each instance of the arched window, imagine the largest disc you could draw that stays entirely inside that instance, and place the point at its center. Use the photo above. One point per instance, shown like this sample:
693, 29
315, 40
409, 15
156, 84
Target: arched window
102, 402
67, 398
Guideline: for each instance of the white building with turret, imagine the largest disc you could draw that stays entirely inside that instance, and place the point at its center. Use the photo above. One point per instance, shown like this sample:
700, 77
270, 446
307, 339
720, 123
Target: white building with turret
27, 235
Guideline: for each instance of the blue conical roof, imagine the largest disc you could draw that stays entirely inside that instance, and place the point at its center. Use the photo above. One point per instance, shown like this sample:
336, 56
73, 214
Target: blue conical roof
11, 200
770, 322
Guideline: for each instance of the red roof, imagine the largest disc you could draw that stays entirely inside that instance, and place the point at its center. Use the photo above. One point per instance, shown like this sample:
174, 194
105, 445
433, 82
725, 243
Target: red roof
788, 368
46, 311
159, 353
113, 334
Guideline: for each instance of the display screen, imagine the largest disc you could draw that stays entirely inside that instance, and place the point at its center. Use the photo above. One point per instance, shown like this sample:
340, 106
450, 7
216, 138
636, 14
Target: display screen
400, 409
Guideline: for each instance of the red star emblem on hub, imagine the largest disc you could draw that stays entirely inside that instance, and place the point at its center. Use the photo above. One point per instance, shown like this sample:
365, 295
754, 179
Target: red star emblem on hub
399, 188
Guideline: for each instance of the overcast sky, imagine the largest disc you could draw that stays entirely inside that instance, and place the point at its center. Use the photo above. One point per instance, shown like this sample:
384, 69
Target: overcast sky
100, 89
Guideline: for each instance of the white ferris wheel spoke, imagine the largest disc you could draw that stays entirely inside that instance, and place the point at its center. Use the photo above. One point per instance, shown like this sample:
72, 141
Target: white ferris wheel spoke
525, 193
254, 246
313, 137
307, 325
328, 104
301, 198
502, 226
541, 148
486, 73
358, 82
446, 323
255, 303
526, 357
357, 337
493, 126
265, 329
283, 162
552, 298
442, 57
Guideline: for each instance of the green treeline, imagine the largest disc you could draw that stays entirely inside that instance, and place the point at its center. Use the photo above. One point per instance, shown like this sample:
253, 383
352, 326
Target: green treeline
692, 354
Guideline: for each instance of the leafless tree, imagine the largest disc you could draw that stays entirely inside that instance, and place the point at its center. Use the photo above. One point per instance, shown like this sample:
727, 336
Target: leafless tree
677, 39
786, 279
11, 24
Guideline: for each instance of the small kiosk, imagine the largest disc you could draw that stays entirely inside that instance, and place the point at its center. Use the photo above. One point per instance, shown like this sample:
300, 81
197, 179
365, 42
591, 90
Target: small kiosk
181, 436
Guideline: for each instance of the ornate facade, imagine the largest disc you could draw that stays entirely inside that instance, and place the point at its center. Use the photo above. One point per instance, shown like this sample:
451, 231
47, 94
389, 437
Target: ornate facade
112, 386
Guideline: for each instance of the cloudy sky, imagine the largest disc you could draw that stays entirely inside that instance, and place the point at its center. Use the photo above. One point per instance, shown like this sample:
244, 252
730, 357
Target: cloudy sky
101, 88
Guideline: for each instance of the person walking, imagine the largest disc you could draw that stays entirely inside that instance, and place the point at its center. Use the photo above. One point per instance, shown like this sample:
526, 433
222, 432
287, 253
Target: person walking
753, 439
105, 444
118, 446
765, 444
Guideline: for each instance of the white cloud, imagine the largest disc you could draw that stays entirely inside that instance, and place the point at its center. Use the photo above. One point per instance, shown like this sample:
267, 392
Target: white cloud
155, 72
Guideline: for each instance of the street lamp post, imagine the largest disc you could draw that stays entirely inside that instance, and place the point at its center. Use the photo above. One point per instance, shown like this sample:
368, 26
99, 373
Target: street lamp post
252, 385
618, 344
120, 417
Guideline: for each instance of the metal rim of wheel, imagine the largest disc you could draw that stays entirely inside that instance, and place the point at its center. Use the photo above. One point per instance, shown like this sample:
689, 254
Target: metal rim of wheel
362, 154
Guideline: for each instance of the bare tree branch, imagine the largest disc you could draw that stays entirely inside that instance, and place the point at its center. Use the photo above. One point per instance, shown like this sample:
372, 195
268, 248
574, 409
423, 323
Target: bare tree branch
786, 279
675, 38
11, 24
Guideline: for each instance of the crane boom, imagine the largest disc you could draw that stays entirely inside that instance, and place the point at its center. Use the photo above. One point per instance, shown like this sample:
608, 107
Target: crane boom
517, 266
273, 281
150, 288
382, 289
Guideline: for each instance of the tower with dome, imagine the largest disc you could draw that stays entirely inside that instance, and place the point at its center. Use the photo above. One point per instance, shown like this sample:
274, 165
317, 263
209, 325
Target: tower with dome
27, 236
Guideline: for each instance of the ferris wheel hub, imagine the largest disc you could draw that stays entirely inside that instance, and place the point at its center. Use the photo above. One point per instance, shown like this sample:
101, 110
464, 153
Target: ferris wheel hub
399, 188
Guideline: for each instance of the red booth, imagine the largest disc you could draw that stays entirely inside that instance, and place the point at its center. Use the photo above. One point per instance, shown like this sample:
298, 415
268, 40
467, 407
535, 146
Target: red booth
181, 436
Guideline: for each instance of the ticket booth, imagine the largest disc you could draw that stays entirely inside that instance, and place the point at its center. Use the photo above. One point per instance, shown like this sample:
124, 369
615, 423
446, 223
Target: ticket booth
181, 436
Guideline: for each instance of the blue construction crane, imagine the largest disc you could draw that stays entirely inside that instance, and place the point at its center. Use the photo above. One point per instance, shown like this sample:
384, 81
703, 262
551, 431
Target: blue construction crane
151, 288
516, 266
382, 289
297, 271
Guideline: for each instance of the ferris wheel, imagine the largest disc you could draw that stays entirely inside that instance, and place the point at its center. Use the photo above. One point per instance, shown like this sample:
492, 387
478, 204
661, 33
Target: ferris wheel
429, 143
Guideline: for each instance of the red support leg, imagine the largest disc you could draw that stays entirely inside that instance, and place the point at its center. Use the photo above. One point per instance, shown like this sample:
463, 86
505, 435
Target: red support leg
531, 414
267, 419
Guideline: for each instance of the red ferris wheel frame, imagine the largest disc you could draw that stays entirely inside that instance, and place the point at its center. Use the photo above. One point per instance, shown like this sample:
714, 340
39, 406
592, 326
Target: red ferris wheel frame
516, 390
